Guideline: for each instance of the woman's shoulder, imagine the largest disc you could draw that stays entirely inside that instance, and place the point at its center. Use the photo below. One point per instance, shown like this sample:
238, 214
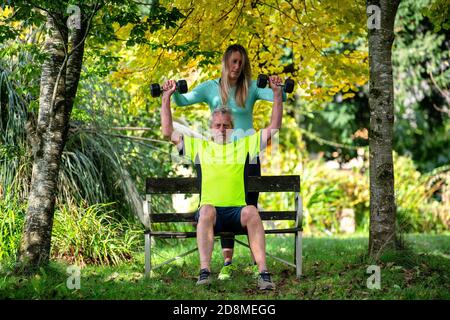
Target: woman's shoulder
208, 84
212, 82
252, 86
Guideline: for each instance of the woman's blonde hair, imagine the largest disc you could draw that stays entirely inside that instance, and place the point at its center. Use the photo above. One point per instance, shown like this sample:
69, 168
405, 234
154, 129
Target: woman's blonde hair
244, 80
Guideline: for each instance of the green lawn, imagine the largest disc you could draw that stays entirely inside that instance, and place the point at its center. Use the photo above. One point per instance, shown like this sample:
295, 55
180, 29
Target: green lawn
334, 268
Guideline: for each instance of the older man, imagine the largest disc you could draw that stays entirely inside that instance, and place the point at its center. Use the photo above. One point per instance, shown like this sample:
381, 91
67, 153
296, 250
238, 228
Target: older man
221, 164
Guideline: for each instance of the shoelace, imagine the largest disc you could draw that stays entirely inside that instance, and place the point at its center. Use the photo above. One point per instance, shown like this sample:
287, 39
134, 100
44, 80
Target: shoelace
204, 274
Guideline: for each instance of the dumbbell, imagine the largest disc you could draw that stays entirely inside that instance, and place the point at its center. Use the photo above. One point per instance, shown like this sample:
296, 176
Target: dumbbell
155, 88
263, 79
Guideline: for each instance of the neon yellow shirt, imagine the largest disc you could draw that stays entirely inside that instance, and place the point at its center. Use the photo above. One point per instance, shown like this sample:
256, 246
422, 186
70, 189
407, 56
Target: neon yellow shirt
222, 168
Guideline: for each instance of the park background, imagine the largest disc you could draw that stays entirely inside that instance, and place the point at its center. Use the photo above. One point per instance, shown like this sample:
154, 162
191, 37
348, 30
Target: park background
114, 143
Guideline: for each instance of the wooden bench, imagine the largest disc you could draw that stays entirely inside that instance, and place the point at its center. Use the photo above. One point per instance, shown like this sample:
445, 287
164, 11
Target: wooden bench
190, 186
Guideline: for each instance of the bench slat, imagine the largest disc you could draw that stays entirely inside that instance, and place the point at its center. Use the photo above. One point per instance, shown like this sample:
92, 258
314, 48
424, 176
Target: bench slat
193, 234
189, 217
255, 184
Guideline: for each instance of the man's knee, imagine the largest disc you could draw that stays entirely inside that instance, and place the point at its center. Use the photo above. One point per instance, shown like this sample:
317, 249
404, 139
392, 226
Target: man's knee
250, 214
207, 213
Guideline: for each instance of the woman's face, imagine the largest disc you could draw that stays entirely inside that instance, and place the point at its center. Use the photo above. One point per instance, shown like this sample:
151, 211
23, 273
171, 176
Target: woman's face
234, 66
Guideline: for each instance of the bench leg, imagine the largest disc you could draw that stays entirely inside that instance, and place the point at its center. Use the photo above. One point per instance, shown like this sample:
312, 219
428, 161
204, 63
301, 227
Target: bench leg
298, 253
148, 255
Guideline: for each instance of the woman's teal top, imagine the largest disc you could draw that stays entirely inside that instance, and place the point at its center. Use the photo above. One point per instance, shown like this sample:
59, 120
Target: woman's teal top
209, 92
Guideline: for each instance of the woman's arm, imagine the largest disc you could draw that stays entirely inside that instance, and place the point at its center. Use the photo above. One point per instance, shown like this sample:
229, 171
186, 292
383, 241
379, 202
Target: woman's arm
197, 95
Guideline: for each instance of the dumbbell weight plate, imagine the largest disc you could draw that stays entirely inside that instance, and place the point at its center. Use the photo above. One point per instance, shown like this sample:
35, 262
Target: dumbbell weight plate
182, 86
289, 85
155, 90
262, 80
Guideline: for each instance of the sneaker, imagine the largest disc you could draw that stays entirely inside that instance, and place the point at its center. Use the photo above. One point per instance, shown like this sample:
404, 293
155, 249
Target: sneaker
265, 282
226, 272
204, 278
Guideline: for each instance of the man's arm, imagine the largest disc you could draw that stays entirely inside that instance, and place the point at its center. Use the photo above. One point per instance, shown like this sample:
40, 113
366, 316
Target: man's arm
277, 112
166, 114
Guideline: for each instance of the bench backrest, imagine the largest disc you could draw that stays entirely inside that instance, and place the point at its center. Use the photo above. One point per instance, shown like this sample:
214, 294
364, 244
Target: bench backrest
288, 183
255, 184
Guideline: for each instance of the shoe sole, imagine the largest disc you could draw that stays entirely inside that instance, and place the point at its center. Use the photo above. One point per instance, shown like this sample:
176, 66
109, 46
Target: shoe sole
267, 288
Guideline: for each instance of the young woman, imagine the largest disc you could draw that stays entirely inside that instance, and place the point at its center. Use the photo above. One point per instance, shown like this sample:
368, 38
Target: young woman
235, 89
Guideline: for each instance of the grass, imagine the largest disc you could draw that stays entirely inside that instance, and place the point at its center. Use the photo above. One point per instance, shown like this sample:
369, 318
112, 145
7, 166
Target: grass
334, 268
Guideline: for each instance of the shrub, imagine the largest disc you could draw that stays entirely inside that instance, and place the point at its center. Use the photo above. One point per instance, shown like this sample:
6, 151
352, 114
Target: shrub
92, 235
81, 235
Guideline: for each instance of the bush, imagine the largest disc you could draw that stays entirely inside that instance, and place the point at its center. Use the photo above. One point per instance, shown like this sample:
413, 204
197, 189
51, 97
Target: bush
81, 235
92, 236
327, 192
417, 210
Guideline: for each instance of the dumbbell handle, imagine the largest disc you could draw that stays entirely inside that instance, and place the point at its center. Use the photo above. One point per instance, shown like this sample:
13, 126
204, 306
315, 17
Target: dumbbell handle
176, 87
288, 85
181, 86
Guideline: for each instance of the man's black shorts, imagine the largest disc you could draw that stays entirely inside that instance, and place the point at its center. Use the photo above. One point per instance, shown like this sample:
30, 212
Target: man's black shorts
228, 219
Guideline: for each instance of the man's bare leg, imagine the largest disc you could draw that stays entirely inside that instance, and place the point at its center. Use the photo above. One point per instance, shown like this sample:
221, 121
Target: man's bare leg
250, 218
205, 235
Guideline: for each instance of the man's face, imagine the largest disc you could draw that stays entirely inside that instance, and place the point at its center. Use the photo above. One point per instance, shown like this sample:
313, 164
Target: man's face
221, 128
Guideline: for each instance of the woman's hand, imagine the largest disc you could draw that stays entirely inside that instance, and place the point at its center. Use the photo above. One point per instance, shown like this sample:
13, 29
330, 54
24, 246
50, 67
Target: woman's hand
169, 88
275, 83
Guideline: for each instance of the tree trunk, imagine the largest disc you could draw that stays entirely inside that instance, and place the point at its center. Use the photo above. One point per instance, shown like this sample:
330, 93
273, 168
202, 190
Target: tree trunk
381, 101
49, 139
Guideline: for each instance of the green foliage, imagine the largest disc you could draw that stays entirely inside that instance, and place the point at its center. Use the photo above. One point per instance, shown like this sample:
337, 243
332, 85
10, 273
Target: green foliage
320, 45
339, 129
14, 152
438, 11
421, 70
81, 234
12, 212
98, 165
92, 235
417, 210
327, 191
